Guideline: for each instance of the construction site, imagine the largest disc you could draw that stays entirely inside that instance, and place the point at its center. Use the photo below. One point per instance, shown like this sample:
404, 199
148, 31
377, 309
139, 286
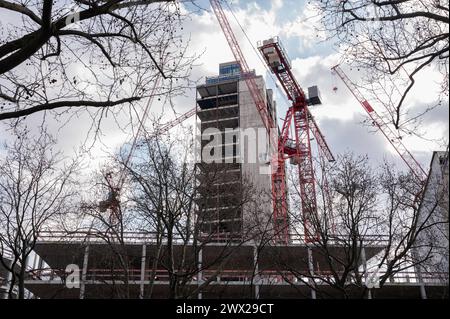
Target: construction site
254, 242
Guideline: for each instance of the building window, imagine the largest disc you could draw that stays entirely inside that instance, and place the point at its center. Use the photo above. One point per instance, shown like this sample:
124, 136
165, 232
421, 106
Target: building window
230, 69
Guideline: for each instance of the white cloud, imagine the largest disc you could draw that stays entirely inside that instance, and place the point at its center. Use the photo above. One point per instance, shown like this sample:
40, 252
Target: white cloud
277, 4
305, 28
339, 116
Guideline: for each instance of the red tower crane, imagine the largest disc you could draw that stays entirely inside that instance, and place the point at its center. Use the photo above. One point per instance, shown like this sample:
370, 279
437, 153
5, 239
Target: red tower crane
113, 200
387, 131
304, 126
298, 148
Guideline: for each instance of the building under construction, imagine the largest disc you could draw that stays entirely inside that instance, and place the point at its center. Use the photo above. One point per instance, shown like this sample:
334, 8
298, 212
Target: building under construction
227, 260
227, 265
230, 128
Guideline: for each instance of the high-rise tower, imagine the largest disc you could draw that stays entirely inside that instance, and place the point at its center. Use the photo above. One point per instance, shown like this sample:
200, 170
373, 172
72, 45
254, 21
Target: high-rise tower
234, 154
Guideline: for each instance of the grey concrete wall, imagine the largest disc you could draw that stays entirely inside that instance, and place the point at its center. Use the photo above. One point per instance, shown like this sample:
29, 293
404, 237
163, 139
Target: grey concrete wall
436, 236
257, 175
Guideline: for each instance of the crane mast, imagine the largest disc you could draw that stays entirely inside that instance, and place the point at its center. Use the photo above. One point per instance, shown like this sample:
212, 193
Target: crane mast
387, 131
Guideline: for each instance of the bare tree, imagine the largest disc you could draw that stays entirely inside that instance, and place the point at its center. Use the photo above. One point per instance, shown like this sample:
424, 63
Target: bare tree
35, 191
394, 41
375, 233
105, 57
173, 195
105, 217
418, 225
165, 198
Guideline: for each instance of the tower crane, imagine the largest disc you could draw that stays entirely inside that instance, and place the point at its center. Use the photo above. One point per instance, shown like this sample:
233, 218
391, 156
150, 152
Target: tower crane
299, 148
112, 202
387, 131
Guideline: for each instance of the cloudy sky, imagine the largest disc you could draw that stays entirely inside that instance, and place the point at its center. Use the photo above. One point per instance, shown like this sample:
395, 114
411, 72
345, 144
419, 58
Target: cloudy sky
339, 117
